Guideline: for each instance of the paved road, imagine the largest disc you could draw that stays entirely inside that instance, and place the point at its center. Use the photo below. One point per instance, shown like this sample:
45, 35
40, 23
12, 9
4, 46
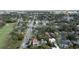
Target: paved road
27, 35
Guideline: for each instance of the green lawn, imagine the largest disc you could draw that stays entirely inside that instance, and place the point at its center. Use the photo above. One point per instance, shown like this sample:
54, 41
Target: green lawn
4, 31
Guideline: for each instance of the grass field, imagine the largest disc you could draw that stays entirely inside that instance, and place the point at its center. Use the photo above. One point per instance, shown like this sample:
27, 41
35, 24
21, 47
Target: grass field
4, 31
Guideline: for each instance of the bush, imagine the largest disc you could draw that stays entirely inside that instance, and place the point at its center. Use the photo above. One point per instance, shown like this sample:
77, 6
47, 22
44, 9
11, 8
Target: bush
20, 35
71, 37
10, 21
44, 46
